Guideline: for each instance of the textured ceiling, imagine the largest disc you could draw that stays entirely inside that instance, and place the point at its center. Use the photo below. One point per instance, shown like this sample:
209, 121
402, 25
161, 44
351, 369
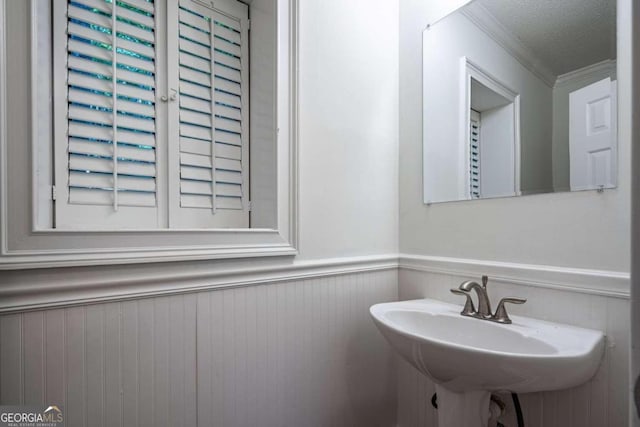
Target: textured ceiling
565, 34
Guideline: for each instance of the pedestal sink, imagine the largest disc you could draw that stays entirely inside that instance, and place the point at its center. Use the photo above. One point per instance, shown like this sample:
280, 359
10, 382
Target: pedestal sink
469, 358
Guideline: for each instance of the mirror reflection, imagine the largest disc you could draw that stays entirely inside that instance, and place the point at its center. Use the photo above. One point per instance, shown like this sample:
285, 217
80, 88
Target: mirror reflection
520, 98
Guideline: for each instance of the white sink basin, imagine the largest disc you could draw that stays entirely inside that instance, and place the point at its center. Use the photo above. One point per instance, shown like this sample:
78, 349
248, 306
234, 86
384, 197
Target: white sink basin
463, 355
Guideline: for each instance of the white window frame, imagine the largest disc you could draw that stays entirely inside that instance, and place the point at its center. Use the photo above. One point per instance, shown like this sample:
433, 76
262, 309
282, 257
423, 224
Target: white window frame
25, 244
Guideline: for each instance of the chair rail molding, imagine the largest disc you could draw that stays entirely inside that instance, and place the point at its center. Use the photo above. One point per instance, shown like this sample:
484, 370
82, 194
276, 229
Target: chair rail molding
24, 290
597, 282
23, 245
38, 289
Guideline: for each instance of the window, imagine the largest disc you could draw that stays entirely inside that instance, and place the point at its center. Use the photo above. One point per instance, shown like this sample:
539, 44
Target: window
151, 114
182, 147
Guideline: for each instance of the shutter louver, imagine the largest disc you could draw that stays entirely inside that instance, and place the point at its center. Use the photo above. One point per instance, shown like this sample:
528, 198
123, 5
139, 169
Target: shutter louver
99, 171
474, 155
213, 158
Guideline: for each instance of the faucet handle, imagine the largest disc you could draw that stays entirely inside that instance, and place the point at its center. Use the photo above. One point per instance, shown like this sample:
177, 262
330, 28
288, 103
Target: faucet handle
501, 315
469, 309
485, 279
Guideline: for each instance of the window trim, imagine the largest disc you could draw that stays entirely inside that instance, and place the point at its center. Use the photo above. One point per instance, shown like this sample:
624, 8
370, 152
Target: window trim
24, 245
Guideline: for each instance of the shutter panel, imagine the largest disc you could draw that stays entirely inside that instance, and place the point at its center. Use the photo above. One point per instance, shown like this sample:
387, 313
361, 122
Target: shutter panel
106, 174
474, 155
210, 76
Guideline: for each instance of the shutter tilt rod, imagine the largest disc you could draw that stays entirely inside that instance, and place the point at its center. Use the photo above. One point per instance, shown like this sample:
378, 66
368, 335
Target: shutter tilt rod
114, 81
214, 193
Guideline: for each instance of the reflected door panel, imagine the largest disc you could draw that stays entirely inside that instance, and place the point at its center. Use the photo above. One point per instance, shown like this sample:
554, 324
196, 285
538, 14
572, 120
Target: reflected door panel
592, 138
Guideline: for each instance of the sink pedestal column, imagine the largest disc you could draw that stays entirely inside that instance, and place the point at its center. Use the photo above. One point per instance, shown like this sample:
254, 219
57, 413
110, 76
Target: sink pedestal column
468, 409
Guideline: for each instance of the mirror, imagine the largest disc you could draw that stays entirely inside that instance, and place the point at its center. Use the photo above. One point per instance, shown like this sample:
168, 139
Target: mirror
519, 98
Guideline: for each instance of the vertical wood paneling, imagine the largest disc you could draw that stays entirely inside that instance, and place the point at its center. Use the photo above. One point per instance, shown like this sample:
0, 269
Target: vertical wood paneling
95, 350
599, 403
251, 380
217, 412
11, 360
300, 331
240, 356
291, 333
281, 354
176, 365
580, 405
75, 413
297, 353
204, 359
333, 311
130, 363
146, 357
262, 386
111, 330
54, 375
34, 353
274, 413
161, 379
533, 403
190, 362
229, 385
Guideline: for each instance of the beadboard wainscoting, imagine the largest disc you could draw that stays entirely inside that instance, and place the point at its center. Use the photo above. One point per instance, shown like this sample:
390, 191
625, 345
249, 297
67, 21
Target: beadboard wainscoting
565, 295
297, 352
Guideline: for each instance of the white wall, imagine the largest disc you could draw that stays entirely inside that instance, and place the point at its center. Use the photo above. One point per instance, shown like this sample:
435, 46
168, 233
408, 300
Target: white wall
584, 229
541, 234
444, 44
349, 127
348, 208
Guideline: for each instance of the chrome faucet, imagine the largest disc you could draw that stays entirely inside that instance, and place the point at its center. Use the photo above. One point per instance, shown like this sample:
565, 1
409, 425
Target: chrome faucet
484, 304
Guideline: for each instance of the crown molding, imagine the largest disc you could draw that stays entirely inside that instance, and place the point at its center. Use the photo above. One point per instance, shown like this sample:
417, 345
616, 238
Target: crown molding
608, 66
486, 22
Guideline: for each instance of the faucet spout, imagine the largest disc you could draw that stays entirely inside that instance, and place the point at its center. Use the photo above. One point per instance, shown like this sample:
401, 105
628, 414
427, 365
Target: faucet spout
484, 305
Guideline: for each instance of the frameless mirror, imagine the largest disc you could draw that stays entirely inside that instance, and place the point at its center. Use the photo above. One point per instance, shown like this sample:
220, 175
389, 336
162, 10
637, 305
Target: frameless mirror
520, 98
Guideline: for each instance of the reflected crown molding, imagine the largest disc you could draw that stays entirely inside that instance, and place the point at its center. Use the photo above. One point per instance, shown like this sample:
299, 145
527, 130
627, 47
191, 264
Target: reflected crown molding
603, 68
487, 23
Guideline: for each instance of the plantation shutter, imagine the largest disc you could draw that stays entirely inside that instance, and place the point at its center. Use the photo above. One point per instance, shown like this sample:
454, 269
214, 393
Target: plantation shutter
474, 155
105, 116
208, 126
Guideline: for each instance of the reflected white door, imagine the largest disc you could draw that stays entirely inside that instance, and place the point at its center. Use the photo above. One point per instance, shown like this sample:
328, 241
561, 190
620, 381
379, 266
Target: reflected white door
592, 136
